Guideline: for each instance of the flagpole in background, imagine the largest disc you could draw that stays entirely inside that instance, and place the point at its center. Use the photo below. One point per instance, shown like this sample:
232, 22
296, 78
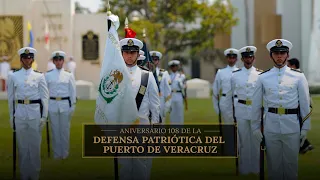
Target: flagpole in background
46, 36
148, 60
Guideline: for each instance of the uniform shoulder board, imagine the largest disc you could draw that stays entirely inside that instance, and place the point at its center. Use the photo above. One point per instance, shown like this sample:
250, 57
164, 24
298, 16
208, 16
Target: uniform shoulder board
16, 70
67, 71
296, 70
259, 70
162, 70
265, 71
144, 68
50, 70
37, 71
236, 71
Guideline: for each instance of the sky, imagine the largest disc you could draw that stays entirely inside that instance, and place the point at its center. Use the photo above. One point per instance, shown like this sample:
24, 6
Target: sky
94, 5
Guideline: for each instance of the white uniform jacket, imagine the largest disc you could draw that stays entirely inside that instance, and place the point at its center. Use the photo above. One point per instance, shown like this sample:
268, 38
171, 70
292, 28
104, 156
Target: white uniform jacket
61, 83
243, 82
281, 88
27, 85
151, 100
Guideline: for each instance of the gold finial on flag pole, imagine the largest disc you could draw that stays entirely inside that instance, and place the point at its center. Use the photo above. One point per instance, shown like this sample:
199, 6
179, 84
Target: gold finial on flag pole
126, 23
144, 32
108, 8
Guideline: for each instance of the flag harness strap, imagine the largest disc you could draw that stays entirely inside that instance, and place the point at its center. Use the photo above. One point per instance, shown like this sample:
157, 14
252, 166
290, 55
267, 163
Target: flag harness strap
160, 75
143, 88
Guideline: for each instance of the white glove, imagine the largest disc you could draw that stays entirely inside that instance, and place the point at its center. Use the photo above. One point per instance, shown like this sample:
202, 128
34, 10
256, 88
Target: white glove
11, 122
258, 135
162, 112
167, 106
303, 137
72, 108
42, 123
215, 105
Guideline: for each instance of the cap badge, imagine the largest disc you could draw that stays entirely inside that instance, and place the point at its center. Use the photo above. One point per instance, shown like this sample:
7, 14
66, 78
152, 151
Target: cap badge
279, 43
130, 42
248, 49
57, 54
26, 51
154, 54
231, 51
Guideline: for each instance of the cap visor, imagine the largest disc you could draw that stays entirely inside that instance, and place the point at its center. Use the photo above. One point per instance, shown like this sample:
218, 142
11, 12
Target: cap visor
279, 49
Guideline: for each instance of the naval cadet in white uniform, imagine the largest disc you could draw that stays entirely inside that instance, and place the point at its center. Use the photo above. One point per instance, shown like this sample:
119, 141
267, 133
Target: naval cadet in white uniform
222, 85
177, 95
164, 81
62, 90
243, 82
285, 92
146, 91
141, 58
4, 71
28, 105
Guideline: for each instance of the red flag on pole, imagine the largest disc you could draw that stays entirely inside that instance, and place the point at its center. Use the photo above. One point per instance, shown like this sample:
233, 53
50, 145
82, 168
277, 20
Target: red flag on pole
47, 36
129, 33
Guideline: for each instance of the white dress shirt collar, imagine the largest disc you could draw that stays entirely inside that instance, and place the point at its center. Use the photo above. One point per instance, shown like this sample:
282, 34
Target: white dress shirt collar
132, 69
280, 69
232, 67
27, 71
59, 70
248, 70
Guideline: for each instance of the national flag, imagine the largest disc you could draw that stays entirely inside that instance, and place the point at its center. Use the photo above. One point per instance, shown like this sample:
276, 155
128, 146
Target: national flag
146, 52
46, 36
30, 43
148, 62
30, 35
116, 101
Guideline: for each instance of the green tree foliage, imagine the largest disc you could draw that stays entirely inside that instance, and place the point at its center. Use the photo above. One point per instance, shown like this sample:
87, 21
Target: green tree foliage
168, 22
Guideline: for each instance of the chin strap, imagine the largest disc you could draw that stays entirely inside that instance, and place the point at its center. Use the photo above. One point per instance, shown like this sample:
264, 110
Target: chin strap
29, 66
278, 65
134, 63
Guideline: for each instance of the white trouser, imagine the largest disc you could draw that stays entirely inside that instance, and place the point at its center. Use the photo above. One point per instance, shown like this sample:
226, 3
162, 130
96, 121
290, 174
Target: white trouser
162, 110
177, 112
226, 115
60, 128
29, 147
282, 155
134, 169
249, 148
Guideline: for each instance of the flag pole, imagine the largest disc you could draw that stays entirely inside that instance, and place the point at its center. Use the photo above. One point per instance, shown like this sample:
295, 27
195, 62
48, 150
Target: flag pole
144, 40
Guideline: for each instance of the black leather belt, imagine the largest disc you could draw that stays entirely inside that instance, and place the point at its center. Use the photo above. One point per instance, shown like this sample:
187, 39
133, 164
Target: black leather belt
283, 111
179, 91
26, 101
226, 95
246, 102
60, 98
